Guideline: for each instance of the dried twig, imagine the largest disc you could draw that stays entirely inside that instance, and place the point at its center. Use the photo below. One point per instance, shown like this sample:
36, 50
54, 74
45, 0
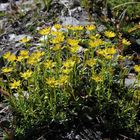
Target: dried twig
126, 3
125, 137
3, 92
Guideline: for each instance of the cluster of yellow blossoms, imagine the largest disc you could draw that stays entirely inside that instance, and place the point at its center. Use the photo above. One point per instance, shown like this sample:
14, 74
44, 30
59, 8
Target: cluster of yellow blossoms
58, 66
7, 69
25, 75
24, 54
137, 68
52, 82
110, 34
15, 84
108, 53
24, 40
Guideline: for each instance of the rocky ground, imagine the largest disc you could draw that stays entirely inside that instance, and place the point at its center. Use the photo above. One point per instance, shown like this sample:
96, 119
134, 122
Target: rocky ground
24, 20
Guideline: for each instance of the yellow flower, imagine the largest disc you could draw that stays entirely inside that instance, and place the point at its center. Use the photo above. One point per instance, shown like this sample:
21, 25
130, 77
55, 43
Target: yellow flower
11, 58
56, 47
78, 28
90, 27
49, 64
75, 58
126, 42
19, 58
74, 49
24, 40
101, 52
52, 82
67, 27
97, 78
63, 79
73, 42
35, 57
107, 52
45, 31
137, 68
7, 69
58, 39
26, 74
15, 84
91, 62
37, 54
32, 61
110, 51
95, 43
66, 70
120, 57
24, 54
57, 33
109, 34
109, 57
92, 37
69, 63
57, 26
6, 55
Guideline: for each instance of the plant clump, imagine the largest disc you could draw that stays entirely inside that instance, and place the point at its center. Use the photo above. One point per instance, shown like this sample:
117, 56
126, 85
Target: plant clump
73, 73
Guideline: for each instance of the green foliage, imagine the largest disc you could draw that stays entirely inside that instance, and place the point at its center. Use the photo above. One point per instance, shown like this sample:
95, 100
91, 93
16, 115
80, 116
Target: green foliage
132, 7
2, 14
58, 83
47, 4
85, 3
124, 12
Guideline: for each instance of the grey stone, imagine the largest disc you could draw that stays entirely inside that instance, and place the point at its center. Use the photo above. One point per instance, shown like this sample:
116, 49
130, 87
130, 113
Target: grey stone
5, 116
70, 4
73, 15
14, 37
131, 81
4, 110
138, 41
101, 28
69, 21
3, 6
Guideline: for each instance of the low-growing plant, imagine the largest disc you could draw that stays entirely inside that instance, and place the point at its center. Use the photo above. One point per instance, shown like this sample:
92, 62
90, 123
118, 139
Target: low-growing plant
131, 8
47, 4
75, 72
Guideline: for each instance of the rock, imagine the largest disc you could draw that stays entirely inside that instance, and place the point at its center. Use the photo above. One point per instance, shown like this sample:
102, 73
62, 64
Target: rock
138, 41
74, 10
70, 4
2, 106
101, 28
4, 6
83, 134
68, 21
2, 22
4, 110
131, 81
5, 116
14, 37
27, 5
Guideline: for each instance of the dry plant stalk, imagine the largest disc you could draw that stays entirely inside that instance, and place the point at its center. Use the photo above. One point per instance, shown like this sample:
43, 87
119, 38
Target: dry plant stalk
3, 92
